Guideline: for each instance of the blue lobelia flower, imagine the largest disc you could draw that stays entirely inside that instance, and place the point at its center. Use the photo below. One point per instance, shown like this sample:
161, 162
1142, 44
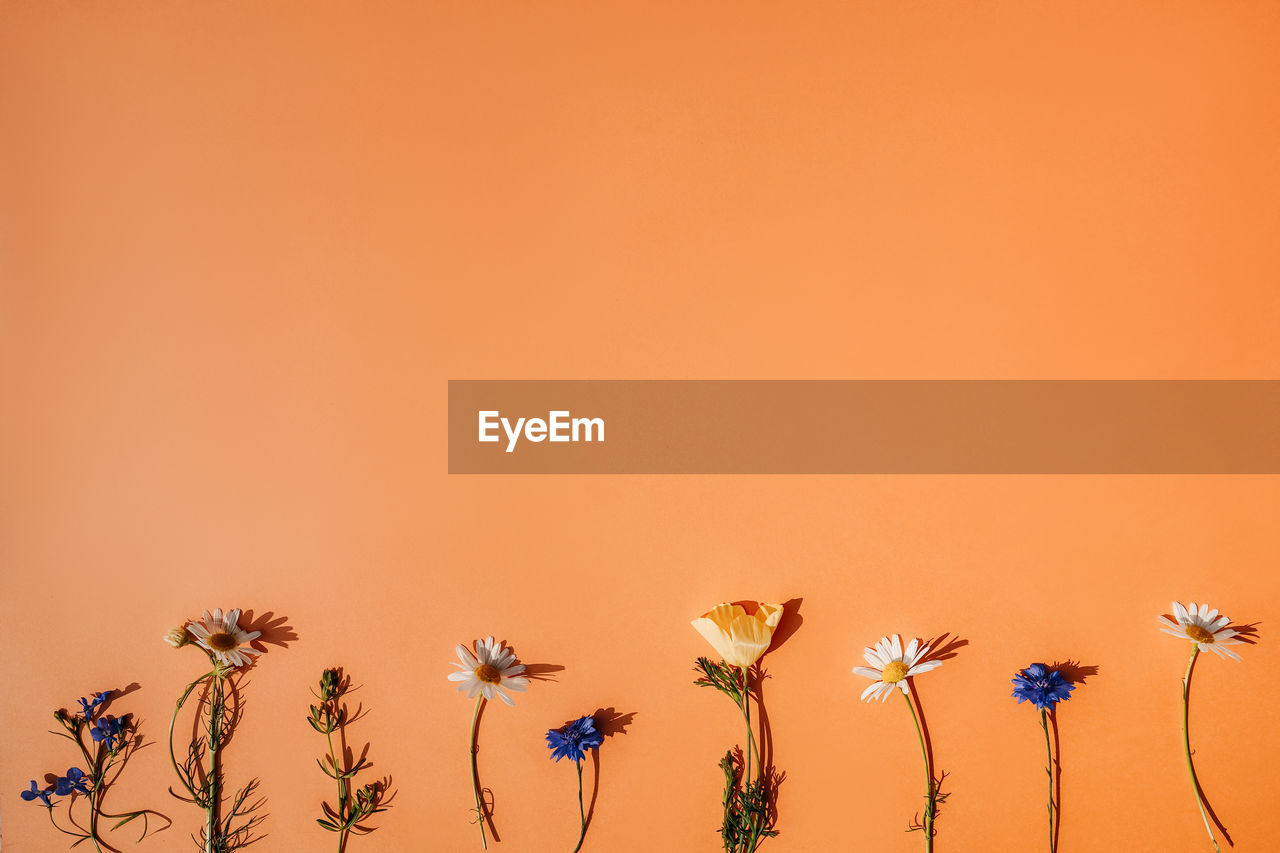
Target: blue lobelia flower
35, 793
573, 740
1042, 688
90, 706
74, 781
106, 730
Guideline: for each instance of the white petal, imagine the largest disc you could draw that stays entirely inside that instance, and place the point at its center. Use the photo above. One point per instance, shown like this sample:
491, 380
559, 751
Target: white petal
909, 653
460, 676
897, 647
868, 693
872, 657
927, 666
867, 672
1180, 613
505, 698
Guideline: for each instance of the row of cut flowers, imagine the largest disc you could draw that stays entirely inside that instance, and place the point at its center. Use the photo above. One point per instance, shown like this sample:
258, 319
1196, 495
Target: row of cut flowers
487, 670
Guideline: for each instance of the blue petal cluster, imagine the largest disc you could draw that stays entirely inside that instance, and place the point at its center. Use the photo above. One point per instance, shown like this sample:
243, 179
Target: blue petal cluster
574, 740
106, 730
90, 706
75, 781
1042, 688
36, 793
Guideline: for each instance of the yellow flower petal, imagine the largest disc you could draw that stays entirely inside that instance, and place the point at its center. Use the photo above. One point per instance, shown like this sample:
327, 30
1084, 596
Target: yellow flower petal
740, 639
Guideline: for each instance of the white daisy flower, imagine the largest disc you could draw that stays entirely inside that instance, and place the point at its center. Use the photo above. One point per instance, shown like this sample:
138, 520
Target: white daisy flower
222, 636
491, 671
893, 665
1202, 626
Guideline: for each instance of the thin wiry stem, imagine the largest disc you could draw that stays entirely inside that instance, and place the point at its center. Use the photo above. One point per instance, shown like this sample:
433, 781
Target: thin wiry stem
581, 811
928, 772
1186, 745
1044, 723
475, 772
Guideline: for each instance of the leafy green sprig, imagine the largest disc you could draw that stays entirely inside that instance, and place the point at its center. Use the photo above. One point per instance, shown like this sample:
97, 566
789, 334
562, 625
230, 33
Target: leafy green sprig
748, 816
353, 804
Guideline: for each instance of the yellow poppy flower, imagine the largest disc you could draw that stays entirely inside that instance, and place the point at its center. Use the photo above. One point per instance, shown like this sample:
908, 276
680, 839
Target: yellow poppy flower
740, 639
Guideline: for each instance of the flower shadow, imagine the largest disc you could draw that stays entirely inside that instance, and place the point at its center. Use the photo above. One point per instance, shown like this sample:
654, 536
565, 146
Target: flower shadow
273, 630
541, 671
1073, 671
609, 723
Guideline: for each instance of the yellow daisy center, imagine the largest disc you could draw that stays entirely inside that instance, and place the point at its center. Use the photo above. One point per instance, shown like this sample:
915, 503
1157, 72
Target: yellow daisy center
222, 641
1200, 635
893, 672
488, 673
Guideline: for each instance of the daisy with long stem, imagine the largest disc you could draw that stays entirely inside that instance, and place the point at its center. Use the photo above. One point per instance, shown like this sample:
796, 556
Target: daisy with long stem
491, 670
1045, 689
892, 665
226, 645
1208, 632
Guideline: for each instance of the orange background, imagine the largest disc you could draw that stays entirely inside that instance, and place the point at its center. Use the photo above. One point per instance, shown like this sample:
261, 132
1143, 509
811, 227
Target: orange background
245, 246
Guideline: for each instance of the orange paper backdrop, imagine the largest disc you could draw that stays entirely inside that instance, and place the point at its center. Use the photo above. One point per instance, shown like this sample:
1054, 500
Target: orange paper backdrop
246, 245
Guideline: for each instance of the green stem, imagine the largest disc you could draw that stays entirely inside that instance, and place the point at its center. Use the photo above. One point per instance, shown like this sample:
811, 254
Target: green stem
343, 810
93, 764
928, 772
1044, 723
173, 759
1186, 745
212, 780
581, 811
79, 835
746, 715
475, 772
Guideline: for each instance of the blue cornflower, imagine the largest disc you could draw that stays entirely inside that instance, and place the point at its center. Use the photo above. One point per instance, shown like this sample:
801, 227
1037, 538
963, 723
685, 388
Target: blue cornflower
89, 706
73, 781
1042, 688
573, 740
106, 729
35, 793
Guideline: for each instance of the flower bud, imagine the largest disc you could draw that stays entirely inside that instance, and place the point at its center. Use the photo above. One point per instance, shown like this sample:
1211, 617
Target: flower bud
329, 684
177, 637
